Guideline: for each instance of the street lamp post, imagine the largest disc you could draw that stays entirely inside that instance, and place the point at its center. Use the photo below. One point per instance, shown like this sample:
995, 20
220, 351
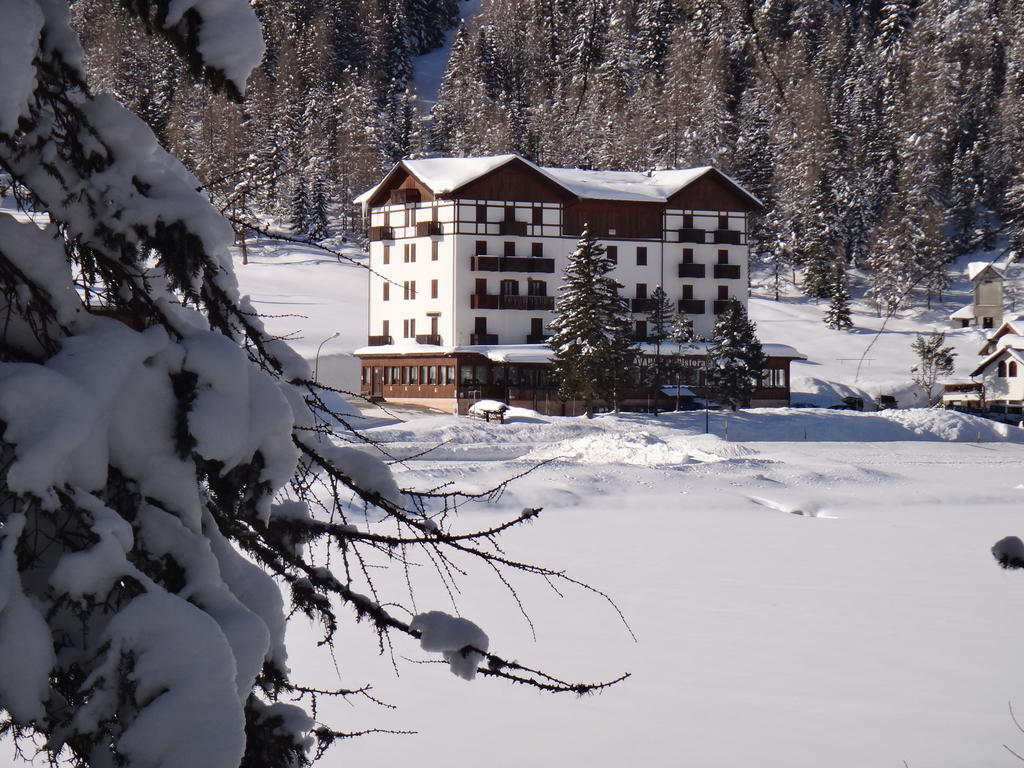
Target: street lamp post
316, 362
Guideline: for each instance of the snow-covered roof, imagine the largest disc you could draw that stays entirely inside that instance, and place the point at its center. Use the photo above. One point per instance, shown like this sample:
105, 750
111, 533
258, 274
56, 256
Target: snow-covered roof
1011, 340
964, 313
782, 350
446, 174
975, 268
1013, 352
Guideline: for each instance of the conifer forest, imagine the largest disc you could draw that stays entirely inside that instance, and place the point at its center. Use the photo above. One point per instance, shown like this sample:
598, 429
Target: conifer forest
882, 136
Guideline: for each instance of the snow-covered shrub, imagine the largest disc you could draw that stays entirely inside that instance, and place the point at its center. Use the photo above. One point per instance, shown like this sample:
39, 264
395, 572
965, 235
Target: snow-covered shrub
163, 474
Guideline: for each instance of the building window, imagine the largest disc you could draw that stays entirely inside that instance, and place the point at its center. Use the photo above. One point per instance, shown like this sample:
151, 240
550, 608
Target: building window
537, 250
613, 253
538, 216
385, 329
433, 250
431, 374
723, 256
510, 213
536, 327
387, 291
641, 290
509, 287
687, 221
773, 377
412, 251
405, 329
481, 286
536, 288
433, 289
641, 256
723, 221
688, 292
986, 322
641, 330
405, 290
387, 254
509, 249
480, 248
479, 325
412, 328
433, 326
723, 292
481, 214
414, 377
1011, 370
405, 253
405, 374
687, 255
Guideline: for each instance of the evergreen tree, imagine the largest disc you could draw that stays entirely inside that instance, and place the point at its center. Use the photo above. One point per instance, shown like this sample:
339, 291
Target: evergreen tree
682, 335
319, 219
592, 346
659, 327
735, 358
300, 210
167, 464
838, 315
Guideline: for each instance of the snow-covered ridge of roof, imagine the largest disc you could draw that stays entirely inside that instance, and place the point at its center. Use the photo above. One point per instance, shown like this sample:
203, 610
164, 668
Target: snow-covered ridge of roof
1011, 341
975, 268
446, 174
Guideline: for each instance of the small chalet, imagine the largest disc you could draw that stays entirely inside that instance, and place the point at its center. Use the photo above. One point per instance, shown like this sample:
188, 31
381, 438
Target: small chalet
997, 382
986, 307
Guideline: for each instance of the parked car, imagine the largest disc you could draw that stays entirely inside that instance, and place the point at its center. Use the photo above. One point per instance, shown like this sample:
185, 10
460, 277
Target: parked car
854, 403
885, 402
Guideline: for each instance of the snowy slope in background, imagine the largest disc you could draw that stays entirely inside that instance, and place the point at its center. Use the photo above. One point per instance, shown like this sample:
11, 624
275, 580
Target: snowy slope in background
428, 69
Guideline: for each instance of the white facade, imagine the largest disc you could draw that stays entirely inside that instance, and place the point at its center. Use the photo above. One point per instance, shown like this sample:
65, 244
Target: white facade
445, 290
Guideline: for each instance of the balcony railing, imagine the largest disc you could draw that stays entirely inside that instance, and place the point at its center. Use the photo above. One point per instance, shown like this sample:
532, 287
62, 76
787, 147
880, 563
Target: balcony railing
727, 271
494, 301
378, 341
691, 306
427, 228
381, 233
483, 338
641, 305
512, 264
428, 338
404, 196
720, 306
484, 301
512, 228
691, 270
727, 237
537, 339
691, 236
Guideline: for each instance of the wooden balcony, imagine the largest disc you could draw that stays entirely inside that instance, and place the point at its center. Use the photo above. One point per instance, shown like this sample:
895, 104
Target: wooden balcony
378, 341
428, 228
484, 301
727, 271
404, 196
381, 233
512, 228
483, 338
692, 236
529, 264
494, 301
428, 338
727, 237
691, 306
691, 270
719, 306
641, 305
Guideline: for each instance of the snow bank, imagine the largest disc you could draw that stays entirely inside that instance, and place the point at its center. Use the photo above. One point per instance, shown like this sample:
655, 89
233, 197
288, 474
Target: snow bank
452, 637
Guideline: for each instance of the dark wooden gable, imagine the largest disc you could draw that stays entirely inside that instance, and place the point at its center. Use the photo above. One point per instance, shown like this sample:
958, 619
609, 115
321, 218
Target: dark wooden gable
399, 178
713, 191
514, 180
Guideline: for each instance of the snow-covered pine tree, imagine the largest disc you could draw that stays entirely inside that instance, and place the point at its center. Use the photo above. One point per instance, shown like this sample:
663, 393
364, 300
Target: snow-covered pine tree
735, 358
319, 218
837, 316
165, 466
300, 210
659, 328
682, 335
591, 341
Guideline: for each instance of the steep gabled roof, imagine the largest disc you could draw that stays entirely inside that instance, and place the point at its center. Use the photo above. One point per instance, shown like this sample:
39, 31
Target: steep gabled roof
1014, 326
1017, 353
444, 175
975, 268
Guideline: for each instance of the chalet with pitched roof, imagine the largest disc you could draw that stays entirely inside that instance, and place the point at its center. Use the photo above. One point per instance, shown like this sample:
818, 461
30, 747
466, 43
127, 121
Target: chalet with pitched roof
466, 256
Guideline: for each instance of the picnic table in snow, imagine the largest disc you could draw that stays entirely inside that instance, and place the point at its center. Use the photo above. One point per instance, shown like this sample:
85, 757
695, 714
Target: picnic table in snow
488, 410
